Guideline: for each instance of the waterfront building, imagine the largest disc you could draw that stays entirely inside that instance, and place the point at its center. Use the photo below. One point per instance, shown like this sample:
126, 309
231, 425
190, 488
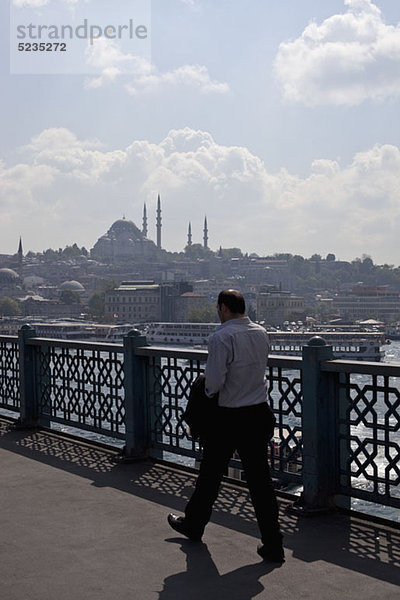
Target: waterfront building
368, 302
275, 307
188, 302
135, 301
35, 305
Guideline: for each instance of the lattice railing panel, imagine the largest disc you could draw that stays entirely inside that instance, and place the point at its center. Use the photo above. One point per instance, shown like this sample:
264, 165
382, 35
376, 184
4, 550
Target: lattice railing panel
82, 388
286, 399
369, 421
169, 386
9, 375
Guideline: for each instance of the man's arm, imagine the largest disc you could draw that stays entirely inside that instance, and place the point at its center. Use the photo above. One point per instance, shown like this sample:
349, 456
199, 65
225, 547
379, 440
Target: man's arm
219, 358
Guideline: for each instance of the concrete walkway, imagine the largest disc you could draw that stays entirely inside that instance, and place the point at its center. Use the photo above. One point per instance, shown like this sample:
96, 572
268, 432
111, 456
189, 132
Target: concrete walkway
74, 525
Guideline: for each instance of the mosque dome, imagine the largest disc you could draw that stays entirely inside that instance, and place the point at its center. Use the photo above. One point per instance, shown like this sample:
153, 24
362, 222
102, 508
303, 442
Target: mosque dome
73, 286
8, 276
121, 226
33, 280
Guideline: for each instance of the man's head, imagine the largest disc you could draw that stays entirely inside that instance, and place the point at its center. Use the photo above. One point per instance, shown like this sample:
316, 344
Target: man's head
230, 305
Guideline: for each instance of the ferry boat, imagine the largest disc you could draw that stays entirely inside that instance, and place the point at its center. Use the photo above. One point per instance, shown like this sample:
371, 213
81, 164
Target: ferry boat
183, 334
351, 345
69, 329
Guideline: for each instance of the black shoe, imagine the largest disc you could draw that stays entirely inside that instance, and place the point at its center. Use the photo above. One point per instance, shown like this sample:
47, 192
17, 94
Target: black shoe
272, 553
179, 525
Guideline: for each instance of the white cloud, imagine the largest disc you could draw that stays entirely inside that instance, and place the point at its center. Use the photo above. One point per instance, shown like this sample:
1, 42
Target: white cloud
140, 76
66, 190
347, 59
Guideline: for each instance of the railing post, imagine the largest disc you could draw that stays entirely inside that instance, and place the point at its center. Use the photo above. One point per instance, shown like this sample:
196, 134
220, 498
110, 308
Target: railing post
344, 443
29, 410
136, 419
319, 431
155, 406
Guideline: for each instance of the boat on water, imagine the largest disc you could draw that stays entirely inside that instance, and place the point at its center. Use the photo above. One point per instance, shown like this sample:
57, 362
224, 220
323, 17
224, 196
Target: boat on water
69, 329
182, 334
348, 344
352, 345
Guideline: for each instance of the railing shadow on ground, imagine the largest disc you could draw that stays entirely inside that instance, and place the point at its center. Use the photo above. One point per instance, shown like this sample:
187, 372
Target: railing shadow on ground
362, 546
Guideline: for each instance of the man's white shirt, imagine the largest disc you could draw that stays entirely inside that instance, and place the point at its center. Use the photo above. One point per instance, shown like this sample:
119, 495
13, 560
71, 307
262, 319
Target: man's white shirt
236, 364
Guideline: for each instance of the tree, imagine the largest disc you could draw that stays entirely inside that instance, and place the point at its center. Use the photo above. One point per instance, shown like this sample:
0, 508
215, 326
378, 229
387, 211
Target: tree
96, 302
50, 254
283, 255
9, 307
208, 314
198, 251
230, 253
367, 264
70, 297
330, 258
71, 251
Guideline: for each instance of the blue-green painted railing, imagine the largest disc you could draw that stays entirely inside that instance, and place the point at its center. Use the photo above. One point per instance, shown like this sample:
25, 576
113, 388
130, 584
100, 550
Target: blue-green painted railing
338, 422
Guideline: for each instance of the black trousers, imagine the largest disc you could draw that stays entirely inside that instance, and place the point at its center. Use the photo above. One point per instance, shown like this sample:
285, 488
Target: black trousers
247, 430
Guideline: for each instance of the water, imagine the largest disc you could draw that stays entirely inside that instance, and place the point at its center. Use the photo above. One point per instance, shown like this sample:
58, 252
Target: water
392, 352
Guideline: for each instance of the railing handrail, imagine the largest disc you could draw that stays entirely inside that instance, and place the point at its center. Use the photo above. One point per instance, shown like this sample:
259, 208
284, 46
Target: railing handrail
8, 338
172, 351
274, 360
138, 392
361, 367
59, 343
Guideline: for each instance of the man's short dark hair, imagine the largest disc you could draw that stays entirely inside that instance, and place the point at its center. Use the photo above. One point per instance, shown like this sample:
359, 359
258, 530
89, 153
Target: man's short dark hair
233, 300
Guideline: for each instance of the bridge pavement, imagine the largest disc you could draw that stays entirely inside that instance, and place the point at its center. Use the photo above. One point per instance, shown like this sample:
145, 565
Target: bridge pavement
75, 525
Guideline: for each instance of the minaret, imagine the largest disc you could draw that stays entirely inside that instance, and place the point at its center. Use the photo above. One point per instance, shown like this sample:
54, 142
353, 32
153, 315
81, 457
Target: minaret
205, 237
189, 242
158, 222
20, 256
144, 229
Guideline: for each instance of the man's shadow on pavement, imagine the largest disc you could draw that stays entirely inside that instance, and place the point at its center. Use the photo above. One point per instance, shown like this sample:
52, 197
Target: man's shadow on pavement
202, 580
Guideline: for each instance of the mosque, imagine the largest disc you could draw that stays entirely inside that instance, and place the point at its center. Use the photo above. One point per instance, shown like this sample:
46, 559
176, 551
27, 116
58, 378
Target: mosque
125, 241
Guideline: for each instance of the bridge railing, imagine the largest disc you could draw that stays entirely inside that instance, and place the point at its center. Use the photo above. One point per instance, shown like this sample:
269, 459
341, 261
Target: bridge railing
367, 418
9, 373
338, 423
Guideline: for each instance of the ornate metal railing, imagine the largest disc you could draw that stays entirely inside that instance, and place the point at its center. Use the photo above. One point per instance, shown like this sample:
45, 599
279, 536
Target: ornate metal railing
368, 430
77, 384
338, 422
80, 384
170, 375
9, 373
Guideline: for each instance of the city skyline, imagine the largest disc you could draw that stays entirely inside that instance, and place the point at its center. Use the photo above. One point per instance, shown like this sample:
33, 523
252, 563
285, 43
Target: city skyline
280, 123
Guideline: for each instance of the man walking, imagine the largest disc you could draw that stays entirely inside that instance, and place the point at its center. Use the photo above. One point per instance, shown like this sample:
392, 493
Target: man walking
237, 359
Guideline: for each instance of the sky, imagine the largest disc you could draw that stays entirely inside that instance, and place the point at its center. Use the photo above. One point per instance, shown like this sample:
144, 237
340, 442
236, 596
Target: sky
277, 120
